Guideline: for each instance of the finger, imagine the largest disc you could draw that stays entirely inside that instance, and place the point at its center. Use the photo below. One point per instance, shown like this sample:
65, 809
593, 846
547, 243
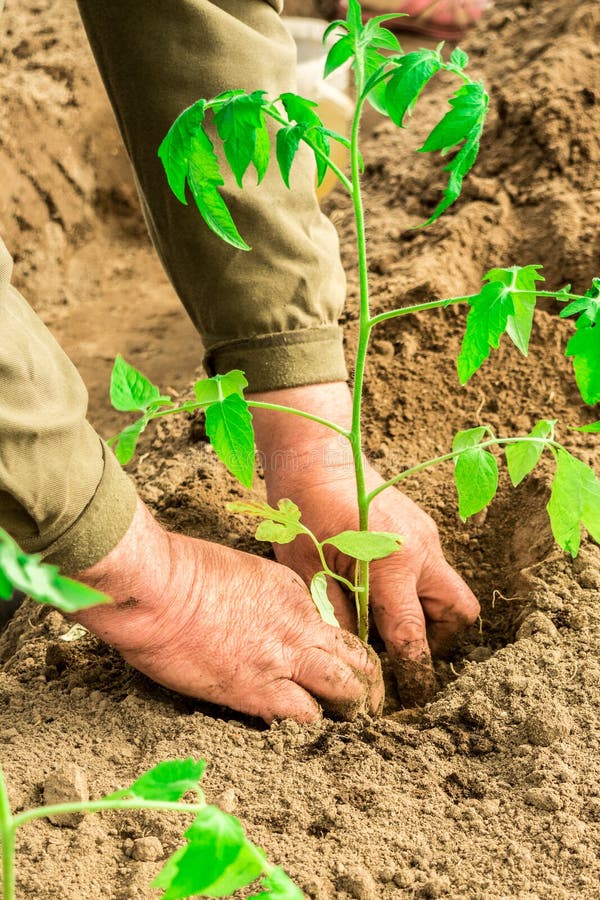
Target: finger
342, 690
448, 602
363, 659
401, 623
287, 700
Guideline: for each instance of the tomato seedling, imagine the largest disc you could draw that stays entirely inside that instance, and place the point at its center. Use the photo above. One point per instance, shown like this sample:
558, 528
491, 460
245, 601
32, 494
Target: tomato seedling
505, 304
217, 858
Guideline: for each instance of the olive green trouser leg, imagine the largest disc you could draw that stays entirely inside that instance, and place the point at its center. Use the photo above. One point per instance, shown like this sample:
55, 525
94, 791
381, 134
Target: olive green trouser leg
62, 491
273, 311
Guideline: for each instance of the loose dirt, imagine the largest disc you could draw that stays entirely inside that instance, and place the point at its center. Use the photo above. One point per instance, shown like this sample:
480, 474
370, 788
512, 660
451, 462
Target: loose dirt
493, 790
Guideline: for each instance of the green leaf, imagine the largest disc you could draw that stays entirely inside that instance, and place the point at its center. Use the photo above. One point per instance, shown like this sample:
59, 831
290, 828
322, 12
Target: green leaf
469, 106
187, 155
204, 177
211, 390
410, 77
354, 16
277, 886
476, 478
125, 442
584, 345
238, 123
574, 501
282, 525
130, 390
174, 150
302, 111
230, 431
463, 440
382, 38
523, 457
366, 545
338, 23
339, 53
25, 572
318, 591
464, 123
459, 58
217, 860
519, 279
486, 322
169, 780
287, 143
375, 62
592, 428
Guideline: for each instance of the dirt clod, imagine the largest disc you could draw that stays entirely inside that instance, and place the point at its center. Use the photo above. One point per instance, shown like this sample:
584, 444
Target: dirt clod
64, 785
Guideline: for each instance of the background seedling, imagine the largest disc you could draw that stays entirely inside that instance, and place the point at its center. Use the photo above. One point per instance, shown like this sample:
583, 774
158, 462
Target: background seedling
217, 858
391, 82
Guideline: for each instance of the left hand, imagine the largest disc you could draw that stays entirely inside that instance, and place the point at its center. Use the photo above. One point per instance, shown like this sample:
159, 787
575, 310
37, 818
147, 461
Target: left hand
418, 601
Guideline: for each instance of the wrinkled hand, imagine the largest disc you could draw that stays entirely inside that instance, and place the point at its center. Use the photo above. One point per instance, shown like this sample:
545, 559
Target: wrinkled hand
418, 601
227, 627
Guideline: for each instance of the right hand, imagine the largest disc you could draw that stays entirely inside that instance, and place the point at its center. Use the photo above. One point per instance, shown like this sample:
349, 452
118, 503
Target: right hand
228, 627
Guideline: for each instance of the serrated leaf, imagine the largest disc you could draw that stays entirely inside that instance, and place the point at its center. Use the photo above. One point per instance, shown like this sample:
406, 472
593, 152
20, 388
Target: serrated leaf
469, 105
524, 456
302, 111
366, 545
382, 38
584, 348
374, 61
229, 428
204, 178
124, 443
318, 591
217, 860
174, 150
27, 573
131, 391
476, 478
282, 525
486, 322
287, 143
464, 123
278, 886
169, 780
408, 80
574, 501
592, 428
210, 390
339, 53
521, 282
459, 58
469, 438
239, 122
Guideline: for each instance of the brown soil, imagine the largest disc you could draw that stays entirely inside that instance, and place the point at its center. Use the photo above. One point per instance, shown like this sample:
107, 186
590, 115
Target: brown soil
493, 791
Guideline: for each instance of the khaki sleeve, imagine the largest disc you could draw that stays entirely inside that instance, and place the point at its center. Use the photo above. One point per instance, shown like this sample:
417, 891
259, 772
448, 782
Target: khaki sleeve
271, 312
62, 492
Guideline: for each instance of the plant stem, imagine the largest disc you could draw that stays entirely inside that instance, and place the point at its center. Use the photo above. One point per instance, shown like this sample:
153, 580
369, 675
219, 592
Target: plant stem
103, 805
428, 464
362, 581
7, 835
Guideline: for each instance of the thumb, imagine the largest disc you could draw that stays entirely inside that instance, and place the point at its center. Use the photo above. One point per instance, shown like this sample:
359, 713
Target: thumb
401, 622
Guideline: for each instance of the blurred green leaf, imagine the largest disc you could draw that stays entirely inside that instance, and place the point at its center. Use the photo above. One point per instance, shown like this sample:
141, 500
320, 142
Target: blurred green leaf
574, 501
125, 442
169, 780
277, 886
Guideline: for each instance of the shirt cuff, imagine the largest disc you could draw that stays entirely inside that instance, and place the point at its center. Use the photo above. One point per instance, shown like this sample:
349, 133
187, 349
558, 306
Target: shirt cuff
102, 523
283, 360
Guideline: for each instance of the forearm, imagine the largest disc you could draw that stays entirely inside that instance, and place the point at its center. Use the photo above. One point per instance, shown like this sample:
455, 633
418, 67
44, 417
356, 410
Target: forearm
271, 312
62, 493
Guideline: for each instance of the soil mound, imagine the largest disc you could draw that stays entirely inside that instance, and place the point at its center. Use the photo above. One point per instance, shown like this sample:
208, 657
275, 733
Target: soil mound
493, 790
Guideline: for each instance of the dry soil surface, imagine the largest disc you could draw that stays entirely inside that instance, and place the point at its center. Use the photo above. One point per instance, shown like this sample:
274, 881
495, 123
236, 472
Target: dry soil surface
491, 791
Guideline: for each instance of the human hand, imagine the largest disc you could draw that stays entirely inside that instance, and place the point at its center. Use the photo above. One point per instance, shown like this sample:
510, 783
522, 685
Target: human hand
227, 627
418, 601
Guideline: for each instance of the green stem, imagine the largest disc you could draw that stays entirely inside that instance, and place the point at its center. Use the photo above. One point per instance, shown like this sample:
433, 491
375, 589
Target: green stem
362, 581
190, 406
103, 805
7, 835
428, 464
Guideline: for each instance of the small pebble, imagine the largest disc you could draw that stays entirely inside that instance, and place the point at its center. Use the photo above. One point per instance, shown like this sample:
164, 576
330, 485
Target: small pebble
64, 785
227, 800
147, 849
543, 798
